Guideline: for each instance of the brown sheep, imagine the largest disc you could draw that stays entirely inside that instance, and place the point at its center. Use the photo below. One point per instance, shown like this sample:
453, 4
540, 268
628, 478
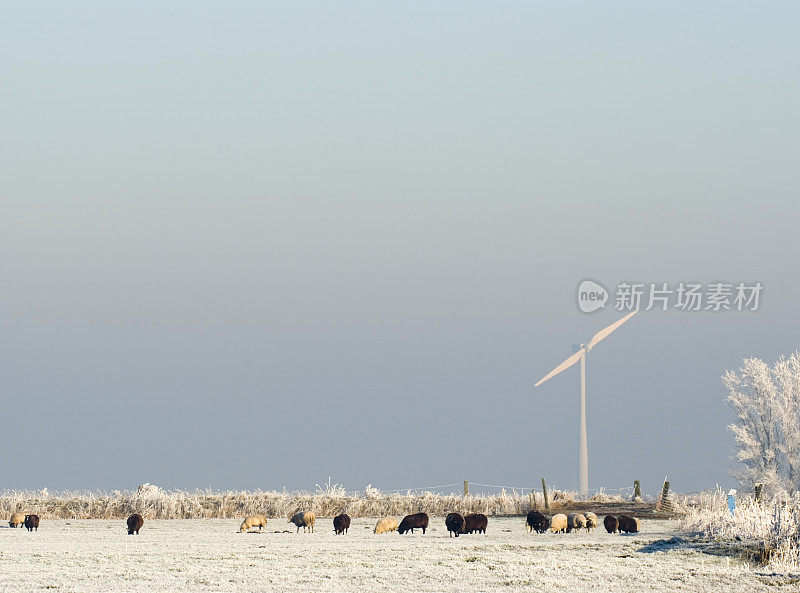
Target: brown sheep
628, 524
135, 523
475, 522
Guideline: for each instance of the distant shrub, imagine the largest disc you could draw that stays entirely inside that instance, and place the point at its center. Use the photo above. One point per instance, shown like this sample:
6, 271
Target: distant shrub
774, 528
329, 500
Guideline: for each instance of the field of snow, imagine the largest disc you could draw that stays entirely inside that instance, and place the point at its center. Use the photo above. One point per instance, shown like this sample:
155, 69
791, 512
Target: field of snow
209, 555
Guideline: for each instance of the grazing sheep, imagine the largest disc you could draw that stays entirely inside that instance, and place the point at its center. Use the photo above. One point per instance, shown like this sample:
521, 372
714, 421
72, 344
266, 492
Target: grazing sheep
575, 521
412, 522
341, 523
628, 524
385, 525
558, 524
17, 520
537, 522
611, 523
475, 522
253, 521
32, 522
135, 523
591, 521
454, 523
304, 519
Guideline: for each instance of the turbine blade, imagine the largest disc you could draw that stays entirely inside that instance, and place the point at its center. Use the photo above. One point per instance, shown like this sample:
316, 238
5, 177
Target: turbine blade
604, 333
564, 365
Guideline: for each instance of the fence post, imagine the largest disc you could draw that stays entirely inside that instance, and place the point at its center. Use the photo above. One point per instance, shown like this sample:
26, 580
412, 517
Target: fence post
466, 488
637, 490
759, 489
544, 491
663, 501
532, 496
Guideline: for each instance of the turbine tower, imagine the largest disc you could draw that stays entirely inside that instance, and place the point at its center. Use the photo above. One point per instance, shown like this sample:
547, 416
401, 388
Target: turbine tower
580, 355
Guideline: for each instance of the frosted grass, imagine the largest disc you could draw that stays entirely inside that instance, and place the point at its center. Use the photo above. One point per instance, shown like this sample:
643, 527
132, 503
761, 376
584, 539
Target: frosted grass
94, 556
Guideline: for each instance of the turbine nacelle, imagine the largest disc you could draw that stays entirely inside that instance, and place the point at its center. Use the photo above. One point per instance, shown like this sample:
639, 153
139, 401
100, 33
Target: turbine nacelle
581, 349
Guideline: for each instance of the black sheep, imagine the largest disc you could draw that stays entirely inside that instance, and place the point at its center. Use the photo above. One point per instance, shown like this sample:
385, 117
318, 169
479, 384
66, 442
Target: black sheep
537, 522
454, 523
341, 523
611, 523
32, 522
412, 522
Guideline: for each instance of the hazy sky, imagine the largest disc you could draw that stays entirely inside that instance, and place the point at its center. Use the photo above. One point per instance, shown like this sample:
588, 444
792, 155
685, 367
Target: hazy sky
260, 244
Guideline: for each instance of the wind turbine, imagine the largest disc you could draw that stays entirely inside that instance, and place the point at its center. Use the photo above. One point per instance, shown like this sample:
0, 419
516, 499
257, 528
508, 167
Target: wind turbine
580, 355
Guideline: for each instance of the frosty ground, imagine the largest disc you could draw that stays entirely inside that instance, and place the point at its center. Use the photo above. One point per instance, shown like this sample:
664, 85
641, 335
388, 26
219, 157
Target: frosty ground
209, 555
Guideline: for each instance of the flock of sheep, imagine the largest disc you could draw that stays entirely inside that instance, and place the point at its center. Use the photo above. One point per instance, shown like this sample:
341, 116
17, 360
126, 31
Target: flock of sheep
456, 523
561, 523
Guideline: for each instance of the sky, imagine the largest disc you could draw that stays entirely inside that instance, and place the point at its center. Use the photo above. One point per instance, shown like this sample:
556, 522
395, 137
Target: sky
258, 244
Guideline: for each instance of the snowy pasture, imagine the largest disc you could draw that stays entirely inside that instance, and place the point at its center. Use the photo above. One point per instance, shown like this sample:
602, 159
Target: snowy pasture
209, 555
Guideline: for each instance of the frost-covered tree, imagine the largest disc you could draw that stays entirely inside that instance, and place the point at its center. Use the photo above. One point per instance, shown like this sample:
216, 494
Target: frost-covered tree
767, 432
787, 376
751, 394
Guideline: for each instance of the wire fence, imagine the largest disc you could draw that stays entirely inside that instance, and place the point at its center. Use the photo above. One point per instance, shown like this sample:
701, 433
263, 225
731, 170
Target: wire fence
622, 493
422, 488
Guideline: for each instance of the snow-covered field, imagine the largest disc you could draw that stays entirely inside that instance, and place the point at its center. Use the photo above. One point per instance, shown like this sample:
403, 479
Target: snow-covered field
209, 555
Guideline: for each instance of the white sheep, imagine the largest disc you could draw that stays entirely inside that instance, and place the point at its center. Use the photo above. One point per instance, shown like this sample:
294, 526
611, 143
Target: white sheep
253, 521
304, 519
575, 521
558, 524
386, 525
17, 520
591, 522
